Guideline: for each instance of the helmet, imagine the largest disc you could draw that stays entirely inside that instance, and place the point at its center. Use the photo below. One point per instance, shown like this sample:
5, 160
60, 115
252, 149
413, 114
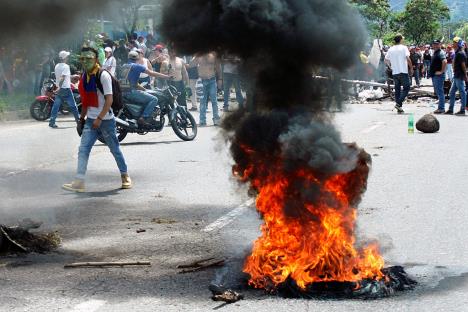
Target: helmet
133, 55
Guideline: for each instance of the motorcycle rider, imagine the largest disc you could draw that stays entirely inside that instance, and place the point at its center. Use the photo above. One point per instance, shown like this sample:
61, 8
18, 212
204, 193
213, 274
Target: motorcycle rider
135, 93
62, 72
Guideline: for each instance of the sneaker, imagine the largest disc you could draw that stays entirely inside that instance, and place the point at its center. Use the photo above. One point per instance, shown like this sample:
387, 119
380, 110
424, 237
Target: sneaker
76, 186
143, 123
126, 182
460, 113
53, 126
399, 109
449, 112
439, 111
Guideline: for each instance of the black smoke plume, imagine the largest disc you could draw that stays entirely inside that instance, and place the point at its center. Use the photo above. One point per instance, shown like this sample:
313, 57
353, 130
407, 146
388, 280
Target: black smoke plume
280, 41
33, 21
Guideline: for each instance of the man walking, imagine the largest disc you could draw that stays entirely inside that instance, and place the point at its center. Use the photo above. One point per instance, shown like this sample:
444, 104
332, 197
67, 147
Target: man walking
398, 57
415, 58
437, 73
209, 70
62, 73
460, 77
100, 120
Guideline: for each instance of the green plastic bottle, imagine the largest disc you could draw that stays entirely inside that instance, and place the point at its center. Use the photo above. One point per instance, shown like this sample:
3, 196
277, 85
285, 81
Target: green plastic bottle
411, 123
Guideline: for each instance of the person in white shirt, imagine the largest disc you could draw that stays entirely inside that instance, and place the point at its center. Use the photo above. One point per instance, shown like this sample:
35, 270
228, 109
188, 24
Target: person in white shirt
97, 119
398, 57
64, 93
110, 63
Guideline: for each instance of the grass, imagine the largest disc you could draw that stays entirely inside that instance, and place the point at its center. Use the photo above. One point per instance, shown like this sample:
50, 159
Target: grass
15, 102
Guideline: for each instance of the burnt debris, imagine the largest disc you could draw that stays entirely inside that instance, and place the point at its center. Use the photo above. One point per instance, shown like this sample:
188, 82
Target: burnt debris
395, 280
18, 240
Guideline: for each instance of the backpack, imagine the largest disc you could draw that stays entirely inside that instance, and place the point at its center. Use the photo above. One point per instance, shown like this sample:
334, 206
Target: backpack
117, 100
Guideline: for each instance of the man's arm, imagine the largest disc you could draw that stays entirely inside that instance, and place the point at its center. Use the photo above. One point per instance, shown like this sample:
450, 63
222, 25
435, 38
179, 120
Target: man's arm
156, 74
444, 66
410, 65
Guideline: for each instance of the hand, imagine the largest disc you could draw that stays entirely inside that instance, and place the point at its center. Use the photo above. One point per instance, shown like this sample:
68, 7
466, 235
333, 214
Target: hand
97, 123
438, 73
80, 126
220, 84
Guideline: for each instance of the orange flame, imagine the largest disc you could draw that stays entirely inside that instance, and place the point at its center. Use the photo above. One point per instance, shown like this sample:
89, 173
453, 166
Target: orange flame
307, 241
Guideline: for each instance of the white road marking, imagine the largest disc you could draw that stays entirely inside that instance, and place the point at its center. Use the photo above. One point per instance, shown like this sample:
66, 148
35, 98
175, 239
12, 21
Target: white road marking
229, 217
373, 127
89, 306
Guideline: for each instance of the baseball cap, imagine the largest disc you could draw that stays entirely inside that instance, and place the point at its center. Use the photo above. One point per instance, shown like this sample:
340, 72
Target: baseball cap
108, 49
436, 41
158, 47
64, 54
133, 55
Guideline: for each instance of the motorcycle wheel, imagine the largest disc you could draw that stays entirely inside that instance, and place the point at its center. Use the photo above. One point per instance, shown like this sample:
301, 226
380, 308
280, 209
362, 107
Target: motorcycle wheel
121, 134
40, 110
183, 124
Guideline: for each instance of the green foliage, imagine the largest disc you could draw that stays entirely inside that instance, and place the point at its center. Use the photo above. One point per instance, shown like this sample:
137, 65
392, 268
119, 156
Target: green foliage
376, 14
15, 101
422, 19
462, 31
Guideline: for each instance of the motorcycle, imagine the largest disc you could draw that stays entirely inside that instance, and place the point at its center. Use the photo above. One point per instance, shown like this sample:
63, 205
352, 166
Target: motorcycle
41, 108
182, 122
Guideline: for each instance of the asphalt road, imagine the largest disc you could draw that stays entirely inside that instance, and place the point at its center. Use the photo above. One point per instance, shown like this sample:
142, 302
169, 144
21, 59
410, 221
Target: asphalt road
185, 199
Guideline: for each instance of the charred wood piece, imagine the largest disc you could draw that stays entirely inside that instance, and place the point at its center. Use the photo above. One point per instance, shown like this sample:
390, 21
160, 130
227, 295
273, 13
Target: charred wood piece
200, 265
221, 293
104, 264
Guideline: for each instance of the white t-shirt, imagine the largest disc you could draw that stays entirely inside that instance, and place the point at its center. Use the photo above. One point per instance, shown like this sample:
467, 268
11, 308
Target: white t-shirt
110, 64
397, 57
62, 69
93, 112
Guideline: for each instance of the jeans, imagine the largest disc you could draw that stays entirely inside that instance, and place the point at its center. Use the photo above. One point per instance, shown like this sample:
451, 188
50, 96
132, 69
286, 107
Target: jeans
229, 80
416, 76
438, 83
460, 85
209, 90
180, 86
108, 131
64, 94
427, 65
143, 98
401, 80
193, 86
449, 72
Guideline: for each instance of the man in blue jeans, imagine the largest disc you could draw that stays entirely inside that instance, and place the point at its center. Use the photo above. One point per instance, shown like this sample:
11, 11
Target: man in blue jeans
96, 106
209, 70
398, 57
460, 77
135, 93
437, 73
62, 73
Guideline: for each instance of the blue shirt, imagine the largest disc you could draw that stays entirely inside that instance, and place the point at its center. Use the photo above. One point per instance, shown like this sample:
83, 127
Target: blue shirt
134, 71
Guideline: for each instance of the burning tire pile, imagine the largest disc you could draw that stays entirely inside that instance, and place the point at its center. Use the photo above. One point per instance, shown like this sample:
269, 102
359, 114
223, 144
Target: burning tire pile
307, 182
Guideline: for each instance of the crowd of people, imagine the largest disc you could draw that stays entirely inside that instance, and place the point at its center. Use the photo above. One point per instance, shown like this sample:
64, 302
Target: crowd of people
441, 63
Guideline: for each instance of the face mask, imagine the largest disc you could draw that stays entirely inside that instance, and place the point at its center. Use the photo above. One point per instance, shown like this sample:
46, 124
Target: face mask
88, 60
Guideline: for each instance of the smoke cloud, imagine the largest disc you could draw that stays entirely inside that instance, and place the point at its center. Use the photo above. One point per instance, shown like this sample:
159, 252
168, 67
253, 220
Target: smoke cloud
280, 41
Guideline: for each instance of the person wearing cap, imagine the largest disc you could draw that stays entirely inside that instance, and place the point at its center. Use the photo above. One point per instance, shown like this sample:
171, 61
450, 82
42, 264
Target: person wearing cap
96, 119
398, 57
157, 59
460, 77
437, 73
134, 92
64, 93
175, 66
110, 64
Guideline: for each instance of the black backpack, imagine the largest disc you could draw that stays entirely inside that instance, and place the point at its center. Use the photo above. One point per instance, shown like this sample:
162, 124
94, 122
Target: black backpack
117, 100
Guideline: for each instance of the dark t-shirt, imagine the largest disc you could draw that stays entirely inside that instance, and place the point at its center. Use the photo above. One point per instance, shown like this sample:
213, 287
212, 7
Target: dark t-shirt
460, 58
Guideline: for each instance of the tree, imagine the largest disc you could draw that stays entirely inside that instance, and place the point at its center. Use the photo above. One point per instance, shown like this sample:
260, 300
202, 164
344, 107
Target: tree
376, 14
422, 19
462, 31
